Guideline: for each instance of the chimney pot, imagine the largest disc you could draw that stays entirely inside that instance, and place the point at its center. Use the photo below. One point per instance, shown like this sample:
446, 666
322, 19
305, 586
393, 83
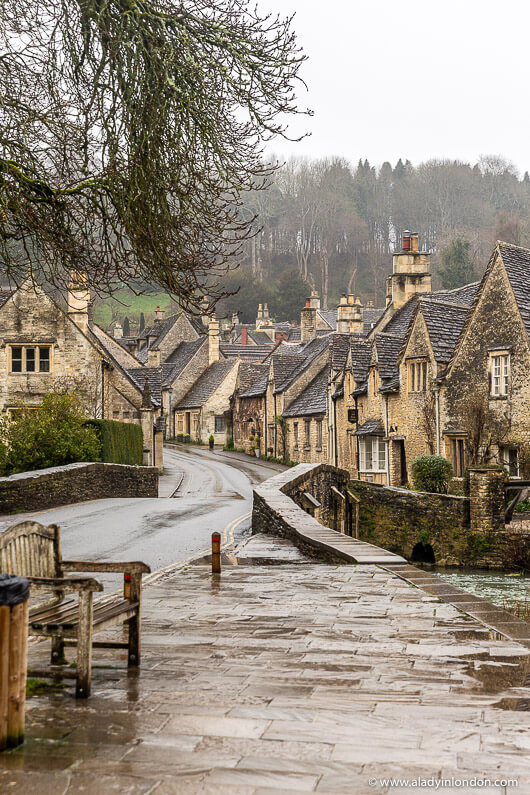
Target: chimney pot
244, 336
414, 241
406, 240
308, 302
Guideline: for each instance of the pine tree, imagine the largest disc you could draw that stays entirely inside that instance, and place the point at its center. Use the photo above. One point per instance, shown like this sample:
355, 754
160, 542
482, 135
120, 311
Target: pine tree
457, 267
126, 327
142, 322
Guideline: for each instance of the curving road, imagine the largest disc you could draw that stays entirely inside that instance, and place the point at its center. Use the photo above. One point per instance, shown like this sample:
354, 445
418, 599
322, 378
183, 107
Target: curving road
212, 491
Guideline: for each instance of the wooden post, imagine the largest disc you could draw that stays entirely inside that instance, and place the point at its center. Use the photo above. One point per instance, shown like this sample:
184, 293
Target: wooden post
14, 595
134, 623
216, 553
84, 645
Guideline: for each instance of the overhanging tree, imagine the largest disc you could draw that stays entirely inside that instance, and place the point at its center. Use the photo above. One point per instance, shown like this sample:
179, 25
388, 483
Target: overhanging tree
129, 130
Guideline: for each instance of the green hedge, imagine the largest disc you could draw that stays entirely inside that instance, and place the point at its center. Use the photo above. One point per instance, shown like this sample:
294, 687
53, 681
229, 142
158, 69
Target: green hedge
121, 442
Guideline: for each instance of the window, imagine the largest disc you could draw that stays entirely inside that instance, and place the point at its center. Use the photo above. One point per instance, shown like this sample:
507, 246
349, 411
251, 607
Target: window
373, 454
219, 423
30, 358
319, 434
417, 376
500, 373
295, 429
457, 455
510, 459
307, 441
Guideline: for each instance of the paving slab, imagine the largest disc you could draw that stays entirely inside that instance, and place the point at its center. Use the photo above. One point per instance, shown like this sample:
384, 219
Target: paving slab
289, 676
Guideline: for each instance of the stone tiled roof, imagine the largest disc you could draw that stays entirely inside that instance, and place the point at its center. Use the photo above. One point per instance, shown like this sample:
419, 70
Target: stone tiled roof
461, 295
158, 329
361, 353
294, 334
329, 316
387, 347
254, 353
250, 374
259, 386
154, 377
180, 357
339, 349
444, 323
5, 294
517, 263
312, 400
112, 346
206, 385
372, 426
261, 338
400, 321
292, 365
370, 318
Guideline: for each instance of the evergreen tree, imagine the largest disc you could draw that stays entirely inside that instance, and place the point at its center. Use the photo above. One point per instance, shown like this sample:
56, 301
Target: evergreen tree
142, 322
292, 292
457, 267
126, 327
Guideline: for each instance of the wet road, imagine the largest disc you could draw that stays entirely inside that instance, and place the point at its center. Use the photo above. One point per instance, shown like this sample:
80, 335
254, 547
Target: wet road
213, 492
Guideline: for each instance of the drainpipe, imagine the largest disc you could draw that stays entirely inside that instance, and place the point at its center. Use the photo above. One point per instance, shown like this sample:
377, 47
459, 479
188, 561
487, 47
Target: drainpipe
171, 417
102, 389
276, 430
335, 451
357, 447
437, 403
387, 443
266, 428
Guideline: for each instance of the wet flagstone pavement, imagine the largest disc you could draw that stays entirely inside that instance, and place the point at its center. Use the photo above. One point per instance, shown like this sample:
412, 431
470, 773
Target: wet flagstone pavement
286, 677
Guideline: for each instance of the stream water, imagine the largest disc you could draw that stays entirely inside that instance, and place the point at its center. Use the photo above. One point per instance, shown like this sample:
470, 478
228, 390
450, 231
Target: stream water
495, 586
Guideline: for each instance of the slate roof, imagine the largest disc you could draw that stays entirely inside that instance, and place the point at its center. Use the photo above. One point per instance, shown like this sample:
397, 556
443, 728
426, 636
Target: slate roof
339, 349
372, 426
206, 385
517, 263
388, 347
159, 328
250, 374
292, 365
312, 400
370, 318
254, 353
259, 385
124, 358
295, 334
329, 316
154, 377
461, 295
261, 338
361, 353
444, 323
180, 357
5, 294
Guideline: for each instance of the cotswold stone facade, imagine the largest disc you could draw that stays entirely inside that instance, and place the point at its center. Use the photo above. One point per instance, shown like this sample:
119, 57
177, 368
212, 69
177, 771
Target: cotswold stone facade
45, 348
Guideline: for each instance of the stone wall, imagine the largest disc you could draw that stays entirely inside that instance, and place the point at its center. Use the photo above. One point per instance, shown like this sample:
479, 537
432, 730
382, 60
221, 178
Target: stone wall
399, 520
276, 504
48, 488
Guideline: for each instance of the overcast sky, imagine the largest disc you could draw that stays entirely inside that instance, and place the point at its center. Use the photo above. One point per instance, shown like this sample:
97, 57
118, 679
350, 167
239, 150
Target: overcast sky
413, 79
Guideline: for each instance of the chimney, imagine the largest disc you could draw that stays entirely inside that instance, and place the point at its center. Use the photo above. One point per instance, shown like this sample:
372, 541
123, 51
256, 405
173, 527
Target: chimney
117, 332
153, 357
159, 315
78, 299
205, 307
266, 317
314, 301
213, 341
259, 318
349, 315
235, 319
308, 322
411, 272
244, 335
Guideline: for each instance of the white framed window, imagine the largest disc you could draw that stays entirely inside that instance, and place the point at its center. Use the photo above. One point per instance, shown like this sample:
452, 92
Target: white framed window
500, 374
417, 376
372, 450
29, 358
510, 459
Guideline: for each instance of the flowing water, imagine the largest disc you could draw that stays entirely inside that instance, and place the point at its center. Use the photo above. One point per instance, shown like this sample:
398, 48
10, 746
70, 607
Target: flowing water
500, 588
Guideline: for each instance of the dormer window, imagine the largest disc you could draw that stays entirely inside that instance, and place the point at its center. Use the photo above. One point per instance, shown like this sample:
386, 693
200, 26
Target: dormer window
417, 376
499, 373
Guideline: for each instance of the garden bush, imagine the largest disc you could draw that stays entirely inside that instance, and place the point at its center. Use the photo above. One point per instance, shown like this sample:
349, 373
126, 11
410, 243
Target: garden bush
54, 434
431, 473
120, 442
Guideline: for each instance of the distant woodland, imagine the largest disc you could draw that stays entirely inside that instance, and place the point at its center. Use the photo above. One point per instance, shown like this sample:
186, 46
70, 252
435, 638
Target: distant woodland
330, 225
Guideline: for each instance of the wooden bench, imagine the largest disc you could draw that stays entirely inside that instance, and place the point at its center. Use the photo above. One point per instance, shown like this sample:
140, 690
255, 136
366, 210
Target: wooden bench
32, 550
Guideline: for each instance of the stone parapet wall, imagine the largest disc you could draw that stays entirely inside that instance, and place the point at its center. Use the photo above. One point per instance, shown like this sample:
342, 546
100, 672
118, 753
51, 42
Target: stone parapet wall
399, 519
48, 488
486, 490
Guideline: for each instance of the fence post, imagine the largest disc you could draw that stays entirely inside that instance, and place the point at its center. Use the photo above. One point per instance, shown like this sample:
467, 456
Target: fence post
14, 607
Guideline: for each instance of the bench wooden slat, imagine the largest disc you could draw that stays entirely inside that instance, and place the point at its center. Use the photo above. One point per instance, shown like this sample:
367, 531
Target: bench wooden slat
69, 619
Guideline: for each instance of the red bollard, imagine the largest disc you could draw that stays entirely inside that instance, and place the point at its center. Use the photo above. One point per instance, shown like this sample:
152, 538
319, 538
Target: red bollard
216, 553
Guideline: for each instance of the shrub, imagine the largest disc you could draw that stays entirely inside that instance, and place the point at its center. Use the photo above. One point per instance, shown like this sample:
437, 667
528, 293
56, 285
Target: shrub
54, 434
230, 444
120, 442
431, 473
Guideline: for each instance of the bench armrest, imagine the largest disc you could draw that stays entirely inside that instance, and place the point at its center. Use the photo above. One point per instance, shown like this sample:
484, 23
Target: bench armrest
65, 583
131, 567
